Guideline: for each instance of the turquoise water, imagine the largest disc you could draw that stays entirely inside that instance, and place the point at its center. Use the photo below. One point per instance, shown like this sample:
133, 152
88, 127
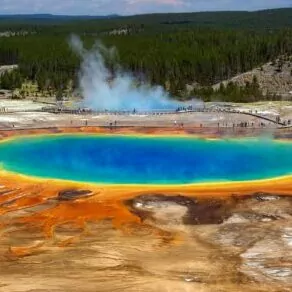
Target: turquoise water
145, 160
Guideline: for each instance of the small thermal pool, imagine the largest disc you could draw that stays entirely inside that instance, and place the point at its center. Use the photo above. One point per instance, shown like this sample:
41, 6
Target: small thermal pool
114, 159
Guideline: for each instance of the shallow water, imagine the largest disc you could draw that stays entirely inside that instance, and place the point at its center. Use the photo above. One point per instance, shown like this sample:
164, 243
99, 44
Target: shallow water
146, 160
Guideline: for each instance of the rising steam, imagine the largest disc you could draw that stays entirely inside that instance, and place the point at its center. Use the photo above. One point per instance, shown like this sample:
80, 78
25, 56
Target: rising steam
120, 93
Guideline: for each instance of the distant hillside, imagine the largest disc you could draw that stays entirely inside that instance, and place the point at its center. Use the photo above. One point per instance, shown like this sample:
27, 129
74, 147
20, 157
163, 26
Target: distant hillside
49, 18
263, 19
274, 78
53, 16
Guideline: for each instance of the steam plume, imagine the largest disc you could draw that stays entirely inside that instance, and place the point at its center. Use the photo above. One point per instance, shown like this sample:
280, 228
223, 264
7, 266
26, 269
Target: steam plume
120, 93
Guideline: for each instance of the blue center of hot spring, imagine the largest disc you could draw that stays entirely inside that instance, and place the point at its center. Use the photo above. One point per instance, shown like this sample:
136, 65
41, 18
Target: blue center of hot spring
146, 160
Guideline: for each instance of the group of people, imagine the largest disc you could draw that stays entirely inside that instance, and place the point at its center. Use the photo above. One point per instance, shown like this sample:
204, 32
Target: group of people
184, 109
112, 124
180, 125
285, 122
4, 110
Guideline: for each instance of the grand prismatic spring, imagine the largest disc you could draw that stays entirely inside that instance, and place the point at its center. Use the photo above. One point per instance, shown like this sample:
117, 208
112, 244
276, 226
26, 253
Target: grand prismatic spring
90, 209
146, 160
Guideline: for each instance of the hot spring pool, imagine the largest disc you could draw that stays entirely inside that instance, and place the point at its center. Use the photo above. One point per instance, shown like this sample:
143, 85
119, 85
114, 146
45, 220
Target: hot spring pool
145, 160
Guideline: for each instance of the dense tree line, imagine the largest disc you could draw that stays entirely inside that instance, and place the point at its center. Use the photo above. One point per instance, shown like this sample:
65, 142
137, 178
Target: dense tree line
11, 80
169, 57
232, 92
